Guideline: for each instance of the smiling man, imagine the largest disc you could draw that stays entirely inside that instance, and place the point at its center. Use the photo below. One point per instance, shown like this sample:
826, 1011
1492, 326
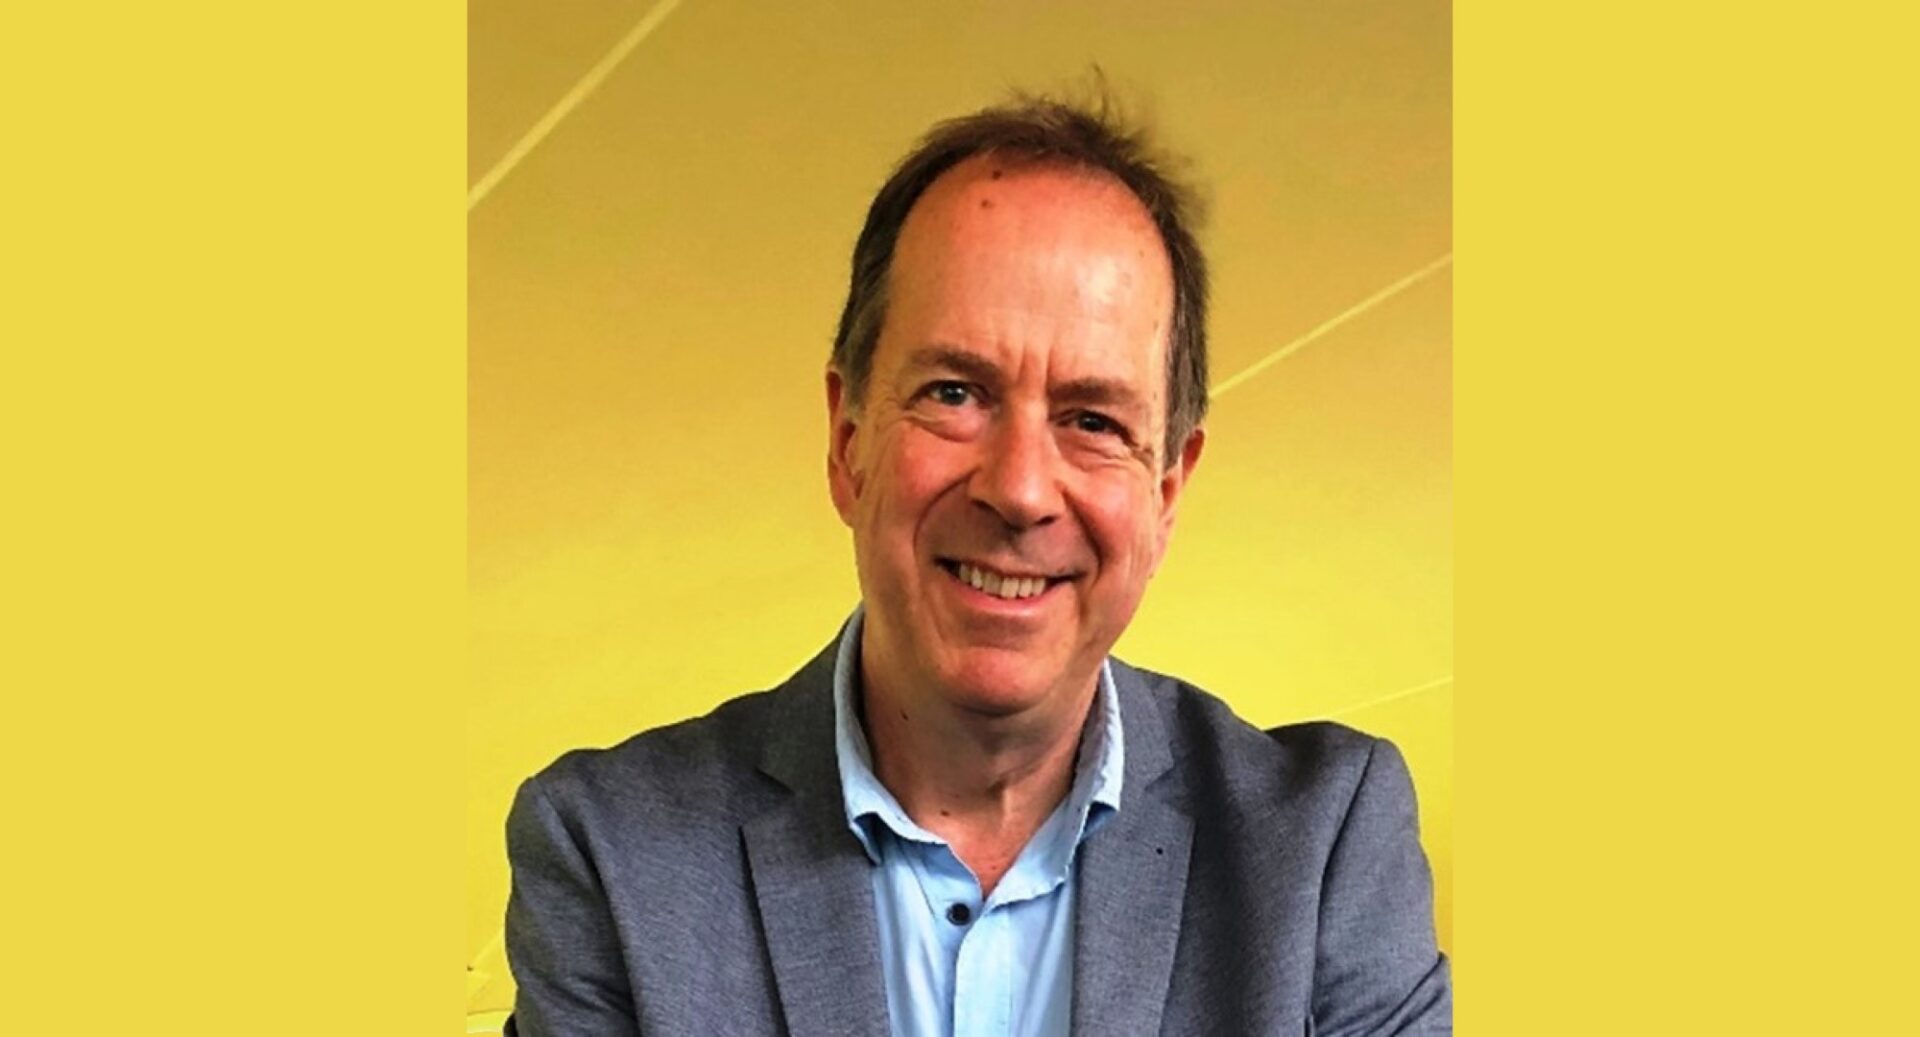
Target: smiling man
964, 817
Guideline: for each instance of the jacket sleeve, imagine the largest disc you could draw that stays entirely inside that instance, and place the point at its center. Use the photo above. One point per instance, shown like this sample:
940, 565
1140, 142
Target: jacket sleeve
1378, 968
561, 943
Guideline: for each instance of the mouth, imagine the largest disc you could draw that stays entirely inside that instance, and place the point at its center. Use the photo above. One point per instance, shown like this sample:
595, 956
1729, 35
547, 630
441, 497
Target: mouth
1007, 586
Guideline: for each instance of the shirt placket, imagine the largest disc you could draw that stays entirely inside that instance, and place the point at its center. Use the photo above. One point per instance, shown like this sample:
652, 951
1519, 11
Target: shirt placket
953, 905
983, 978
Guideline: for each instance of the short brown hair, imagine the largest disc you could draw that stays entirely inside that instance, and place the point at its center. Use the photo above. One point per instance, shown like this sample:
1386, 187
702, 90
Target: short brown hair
1038, 129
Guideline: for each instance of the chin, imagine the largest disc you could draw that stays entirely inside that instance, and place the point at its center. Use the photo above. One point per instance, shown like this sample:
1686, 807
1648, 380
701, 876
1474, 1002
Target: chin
998, 683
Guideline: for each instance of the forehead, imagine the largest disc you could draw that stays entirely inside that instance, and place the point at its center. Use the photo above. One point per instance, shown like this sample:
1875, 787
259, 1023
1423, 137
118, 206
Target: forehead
1031, 265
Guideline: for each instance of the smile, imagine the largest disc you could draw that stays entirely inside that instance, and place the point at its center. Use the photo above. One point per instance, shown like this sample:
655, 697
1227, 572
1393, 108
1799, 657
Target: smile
1006, 586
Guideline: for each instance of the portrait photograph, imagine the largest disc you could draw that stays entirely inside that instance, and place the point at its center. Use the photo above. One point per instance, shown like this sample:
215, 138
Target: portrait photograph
665, 204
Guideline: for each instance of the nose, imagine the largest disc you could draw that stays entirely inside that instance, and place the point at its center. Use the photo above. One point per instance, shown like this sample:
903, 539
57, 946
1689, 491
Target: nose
1018, 476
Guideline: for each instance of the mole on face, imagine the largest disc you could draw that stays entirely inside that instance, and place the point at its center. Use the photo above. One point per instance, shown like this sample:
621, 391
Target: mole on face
996, 174
986, 203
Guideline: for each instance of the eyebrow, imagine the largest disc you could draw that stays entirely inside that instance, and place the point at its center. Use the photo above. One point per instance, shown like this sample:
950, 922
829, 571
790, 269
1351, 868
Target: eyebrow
1106, 392
959, 361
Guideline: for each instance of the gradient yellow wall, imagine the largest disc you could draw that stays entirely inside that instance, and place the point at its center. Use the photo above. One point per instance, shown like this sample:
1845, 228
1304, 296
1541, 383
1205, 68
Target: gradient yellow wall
653, 284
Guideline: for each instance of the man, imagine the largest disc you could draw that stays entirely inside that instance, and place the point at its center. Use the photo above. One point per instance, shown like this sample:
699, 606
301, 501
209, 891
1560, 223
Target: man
963, 817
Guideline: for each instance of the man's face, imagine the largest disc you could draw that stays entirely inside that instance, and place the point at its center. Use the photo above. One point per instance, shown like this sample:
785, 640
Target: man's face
1011, 436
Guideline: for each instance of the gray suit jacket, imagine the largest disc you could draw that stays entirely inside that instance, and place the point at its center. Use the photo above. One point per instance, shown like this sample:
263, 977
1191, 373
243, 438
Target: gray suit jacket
701, 879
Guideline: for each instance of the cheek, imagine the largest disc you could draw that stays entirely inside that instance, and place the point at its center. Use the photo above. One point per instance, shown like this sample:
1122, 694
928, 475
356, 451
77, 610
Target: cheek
911, 473
1121, 516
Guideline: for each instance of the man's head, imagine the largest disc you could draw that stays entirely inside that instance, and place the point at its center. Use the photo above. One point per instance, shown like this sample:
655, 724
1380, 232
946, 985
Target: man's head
1037, 131
1015, 398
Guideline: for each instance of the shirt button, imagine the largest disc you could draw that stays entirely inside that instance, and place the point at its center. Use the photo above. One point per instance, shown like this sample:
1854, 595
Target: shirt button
959, 914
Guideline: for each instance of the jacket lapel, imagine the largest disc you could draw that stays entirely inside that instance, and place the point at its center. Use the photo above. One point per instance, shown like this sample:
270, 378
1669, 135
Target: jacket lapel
816, 904
811, 880
1130, 884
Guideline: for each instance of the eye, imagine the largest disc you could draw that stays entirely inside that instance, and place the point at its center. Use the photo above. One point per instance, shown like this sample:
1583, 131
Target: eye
1098, 424
949, 394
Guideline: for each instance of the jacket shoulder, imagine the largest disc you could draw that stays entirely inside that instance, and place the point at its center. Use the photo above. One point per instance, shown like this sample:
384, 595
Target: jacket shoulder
1306, 761
697, 766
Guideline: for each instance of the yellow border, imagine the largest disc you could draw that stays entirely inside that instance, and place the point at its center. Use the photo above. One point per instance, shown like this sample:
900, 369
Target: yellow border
1685, 519
233, 414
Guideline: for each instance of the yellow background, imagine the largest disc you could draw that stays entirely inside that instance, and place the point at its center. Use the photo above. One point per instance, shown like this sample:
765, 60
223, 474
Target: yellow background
653, 287
231, 677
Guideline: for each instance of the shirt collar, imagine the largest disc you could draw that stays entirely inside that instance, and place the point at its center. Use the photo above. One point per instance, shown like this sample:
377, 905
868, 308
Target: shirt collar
1098, 769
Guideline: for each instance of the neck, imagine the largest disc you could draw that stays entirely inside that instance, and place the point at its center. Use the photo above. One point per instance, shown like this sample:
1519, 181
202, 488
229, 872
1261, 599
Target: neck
983, 783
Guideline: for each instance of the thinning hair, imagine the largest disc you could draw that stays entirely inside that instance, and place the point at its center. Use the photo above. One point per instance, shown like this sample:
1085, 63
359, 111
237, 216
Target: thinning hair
1041, 130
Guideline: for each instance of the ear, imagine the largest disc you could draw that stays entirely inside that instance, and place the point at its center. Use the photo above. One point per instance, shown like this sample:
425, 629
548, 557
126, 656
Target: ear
1173, 482
843, 479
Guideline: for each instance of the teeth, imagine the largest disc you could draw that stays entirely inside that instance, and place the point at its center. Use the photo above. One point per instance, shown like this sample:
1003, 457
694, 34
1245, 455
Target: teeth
1009, 587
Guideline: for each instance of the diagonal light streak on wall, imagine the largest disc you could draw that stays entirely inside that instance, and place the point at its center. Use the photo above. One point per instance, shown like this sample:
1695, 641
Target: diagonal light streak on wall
1331, 323
569, 101
1437, 682
1296, 345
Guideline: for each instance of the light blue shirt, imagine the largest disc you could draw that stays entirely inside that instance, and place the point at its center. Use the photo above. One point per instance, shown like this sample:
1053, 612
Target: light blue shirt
956, 966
